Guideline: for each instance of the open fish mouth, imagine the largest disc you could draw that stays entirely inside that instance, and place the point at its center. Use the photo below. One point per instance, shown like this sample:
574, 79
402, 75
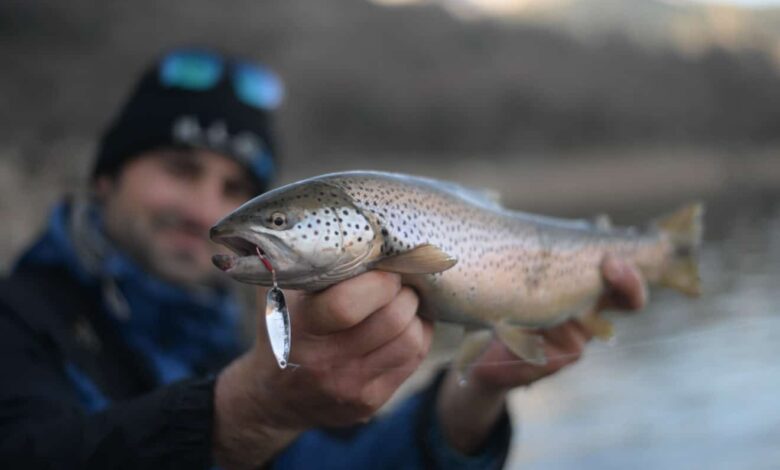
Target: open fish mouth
239, 245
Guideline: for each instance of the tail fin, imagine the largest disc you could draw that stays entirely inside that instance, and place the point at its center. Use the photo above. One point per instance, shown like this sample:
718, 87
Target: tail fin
684, 229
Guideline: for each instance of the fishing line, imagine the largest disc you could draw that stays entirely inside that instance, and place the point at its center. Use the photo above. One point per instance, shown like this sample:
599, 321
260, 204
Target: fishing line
267, 264
609, 349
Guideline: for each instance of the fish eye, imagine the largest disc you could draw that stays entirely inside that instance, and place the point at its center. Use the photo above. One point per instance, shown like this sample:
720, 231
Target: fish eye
278, 219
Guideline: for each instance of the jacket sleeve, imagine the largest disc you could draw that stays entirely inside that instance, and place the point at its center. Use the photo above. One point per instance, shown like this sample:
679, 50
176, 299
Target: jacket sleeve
408, 437
43, 426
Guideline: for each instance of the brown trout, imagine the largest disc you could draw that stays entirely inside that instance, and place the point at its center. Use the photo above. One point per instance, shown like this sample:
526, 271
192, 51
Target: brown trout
471, 261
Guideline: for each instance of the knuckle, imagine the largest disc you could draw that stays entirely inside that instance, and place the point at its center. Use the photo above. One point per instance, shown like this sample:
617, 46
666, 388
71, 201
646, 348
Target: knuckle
401, 312
413, 340
396, 322
341, 390
359, 398
409, 298
368, 400
392, 280
321, 376
340, 309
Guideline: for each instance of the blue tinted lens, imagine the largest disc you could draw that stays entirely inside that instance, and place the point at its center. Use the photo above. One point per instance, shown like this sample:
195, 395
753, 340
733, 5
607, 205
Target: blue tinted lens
257, 86
191, 70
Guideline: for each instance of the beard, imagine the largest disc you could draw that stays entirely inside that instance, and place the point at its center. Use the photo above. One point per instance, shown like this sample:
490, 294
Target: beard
152, 243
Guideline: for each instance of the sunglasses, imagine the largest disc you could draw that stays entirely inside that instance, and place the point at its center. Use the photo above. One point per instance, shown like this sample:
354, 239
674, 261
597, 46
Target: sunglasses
199, 70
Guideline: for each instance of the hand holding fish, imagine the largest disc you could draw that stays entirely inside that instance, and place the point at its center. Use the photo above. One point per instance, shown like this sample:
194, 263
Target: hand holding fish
359, 339
469, 410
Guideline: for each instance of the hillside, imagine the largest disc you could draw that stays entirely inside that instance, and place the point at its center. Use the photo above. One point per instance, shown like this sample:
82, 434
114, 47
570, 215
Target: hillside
366, 79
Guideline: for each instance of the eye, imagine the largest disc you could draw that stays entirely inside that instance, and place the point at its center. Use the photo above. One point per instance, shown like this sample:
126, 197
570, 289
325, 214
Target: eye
278, 219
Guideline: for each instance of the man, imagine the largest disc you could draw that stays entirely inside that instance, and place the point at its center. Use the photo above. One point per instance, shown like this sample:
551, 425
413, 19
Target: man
114, 322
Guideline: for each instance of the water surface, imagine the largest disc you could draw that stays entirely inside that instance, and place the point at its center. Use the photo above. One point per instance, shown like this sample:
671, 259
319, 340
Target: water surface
686, 383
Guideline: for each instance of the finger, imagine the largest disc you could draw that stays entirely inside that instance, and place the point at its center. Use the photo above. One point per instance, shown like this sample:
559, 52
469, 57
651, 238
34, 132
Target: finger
347, 303
381, 326
625, 287
384, 386
499, 367
406, 351
564, 342
392, 378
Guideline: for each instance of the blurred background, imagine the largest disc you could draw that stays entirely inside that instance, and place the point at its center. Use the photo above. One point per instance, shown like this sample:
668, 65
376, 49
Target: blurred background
568, 107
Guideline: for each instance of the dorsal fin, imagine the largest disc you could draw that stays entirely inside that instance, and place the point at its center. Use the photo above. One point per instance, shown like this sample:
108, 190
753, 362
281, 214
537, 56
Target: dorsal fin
484, 197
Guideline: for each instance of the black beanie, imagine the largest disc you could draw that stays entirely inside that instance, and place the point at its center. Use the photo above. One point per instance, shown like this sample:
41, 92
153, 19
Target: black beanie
158, 116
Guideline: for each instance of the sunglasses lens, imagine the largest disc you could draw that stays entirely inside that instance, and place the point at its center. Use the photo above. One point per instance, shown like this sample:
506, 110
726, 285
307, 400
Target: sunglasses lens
191, 70
257, 86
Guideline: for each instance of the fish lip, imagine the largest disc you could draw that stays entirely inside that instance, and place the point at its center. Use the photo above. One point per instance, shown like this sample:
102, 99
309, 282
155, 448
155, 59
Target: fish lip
224, 262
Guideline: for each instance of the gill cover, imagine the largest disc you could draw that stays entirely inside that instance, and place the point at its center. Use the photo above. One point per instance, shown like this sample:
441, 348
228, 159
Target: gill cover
311, 232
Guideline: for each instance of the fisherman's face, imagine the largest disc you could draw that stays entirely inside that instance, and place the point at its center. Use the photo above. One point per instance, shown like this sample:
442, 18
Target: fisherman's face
159, 209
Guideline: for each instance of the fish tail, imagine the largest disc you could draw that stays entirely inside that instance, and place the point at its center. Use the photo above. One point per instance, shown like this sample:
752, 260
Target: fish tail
684, 229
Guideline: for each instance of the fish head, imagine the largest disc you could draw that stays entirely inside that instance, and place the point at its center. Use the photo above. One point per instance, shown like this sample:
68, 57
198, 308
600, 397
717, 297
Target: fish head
311, 234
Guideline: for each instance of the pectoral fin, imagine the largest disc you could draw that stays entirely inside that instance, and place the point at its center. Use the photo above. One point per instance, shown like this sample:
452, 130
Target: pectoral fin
523, 343
473, 345
597, 325
423, 259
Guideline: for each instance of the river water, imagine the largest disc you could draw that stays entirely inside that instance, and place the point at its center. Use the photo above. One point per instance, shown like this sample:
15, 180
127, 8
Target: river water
686, 383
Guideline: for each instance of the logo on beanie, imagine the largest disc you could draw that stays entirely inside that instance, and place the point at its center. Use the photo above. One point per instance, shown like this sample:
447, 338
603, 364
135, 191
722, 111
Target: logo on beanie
246, 146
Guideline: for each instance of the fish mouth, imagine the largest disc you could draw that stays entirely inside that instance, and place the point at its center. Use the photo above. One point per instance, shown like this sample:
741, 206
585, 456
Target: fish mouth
246, 248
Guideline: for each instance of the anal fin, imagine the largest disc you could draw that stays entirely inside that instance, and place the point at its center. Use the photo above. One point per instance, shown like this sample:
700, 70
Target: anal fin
522, 342
597, 325
473, 345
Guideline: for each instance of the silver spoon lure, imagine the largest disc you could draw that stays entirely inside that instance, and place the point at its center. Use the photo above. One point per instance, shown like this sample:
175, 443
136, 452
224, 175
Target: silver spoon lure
277, 319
